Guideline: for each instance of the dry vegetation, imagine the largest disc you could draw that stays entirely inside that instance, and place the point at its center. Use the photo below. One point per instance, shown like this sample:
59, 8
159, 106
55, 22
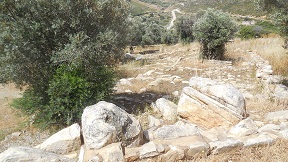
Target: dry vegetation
274, 153
269, 48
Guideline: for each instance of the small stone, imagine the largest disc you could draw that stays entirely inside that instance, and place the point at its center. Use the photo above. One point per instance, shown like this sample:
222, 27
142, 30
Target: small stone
154, 122
150, 149
167, 108
244, 128
174, 154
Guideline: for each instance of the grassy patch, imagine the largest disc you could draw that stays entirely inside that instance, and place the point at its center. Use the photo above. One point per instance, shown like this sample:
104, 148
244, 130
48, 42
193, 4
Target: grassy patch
139, 8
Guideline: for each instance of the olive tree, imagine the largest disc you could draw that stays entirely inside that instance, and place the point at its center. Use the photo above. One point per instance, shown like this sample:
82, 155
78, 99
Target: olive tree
213, 29
64, 51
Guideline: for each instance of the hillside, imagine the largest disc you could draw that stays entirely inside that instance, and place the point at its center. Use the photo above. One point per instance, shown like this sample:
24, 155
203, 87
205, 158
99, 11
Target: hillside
244, 7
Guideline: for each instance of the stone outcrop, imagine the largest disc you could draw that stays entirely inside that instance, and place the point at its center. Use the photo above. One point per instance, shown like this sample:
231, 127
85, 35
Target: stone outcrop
208, 103
64, 141
105, 123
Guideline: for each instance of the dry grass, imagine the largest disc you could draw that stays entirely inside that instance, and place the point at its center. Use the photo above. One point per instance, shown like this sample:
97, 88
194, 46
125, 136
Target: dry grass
274, 153
269, 48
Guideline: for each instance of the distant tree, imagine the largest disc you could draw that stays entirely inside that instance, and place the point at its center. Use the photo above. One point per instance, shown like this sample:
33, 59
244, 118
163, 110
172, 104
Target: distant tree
169, 37
279, 14
145, 31
184, 28
213, 29
63, 50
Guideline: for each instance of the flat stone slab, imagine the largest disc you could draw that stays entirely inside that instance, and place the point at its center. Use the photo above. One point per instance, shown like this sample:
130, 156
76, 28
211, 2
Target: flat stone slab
259, 140
277, 116
225, 145
175, 131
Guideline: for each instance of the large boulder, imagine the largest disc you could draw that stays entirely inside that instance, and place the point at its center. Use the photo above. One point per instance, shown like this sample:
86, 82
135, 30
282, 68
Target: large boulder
105, 123
64, 141
19, 154
209, 104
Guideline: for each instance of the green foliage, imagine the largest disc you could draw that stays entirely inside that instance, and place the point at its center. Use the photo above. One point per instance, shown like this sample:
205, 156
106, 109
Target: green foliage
145, 31
38, 37
279, 14
184, 28
169, 37
268, 26
70, 92
213, 29
248, 32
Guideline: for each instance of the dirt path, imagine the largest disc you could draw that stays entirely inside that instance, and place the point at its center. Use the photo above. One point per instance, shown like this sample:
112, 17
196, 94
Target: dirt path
9, 117
13, 123
173, 18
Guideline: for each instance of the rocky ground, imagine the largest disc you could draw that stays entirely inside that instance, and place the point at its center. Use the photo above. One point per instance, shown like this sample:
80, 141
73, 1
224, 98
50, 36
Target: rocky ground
164, 72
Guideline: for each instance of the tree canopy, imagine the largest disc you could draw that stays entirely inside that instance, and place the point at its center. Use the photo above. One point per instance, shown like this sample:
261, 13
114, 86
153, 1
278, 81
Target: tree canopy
43, 43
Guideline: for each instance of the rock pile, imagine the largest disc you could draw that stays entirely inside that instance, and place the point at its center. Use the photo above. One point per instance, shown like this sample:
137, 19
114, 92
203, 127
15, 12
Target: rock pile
210, 118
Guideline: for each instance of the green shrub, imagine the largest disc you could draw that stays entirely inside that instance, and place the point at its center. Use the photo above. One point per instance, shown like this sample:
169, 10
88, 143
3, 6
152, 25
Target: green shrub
70, 92
213, 29
252, 31
246, 32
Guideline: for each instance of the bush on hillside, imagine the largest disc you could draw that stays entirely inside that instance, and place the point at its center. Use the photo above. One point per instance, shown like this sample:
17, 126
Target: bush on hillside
213, 29
39, 37
249, 32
